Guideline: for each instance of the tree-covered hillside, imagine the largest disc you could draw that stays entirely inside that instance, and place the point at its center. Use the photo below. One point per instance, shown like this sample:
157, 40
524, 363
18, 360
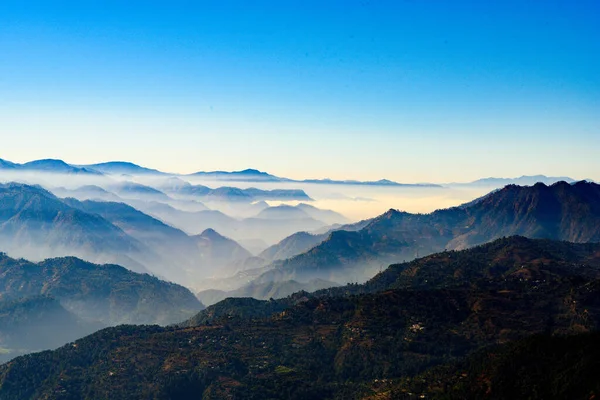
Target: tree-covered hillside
341, 345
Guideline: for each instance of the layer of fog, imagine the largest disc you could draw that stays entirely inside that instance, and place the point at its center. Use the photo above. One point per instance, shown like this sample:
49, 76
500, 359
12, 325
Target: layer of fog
358, 202
237, 220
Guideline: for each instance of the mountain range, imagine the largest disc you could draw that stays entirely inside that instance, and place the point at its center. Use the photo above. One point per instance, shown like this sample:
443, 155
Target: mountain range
47, 165
495, 298
195, 256
253, 175
561, 211
175, 251
124, 168
254, 267
241, 221
513, 259
120, 168
301, 242
397, 337
36, 224
259, 226
179, 187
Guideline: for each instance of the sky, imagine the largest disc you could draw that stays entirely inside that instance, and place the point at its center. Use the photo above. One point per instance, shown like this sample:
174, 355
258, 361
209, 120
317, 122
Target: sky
414, 91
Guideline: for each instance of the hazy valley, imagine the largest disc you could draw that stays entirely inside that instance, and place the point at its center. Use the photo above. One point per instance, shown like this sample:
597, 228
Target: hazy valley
93, 247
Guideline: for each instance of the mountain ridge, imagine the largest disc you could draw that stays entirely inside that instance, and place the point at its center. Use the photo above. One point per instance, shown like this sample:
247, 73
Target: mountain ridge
122, 167
561, 211
255, 175
34, 221
107, 293
48, 165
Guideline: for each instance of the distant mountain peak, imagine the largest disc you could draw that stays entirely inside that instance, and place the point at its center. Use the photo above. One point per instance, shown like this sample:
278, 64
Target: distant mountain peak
48, 161
389, 215
56, 166
585, 182
249, 175
561, 183
48, 165
123, 163
211, 233
250, 171
392, 212
122, 167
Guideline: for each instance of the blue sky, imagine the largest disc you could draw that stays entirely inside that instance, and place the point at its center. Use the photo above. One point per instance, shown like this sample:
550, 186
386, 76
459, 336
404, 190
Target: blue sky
407, 90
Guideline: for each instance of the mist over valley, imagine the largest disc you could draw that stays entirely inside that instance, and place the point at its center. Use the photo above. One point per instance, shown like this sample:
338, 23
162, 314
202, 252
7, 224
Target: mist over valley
358, 200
